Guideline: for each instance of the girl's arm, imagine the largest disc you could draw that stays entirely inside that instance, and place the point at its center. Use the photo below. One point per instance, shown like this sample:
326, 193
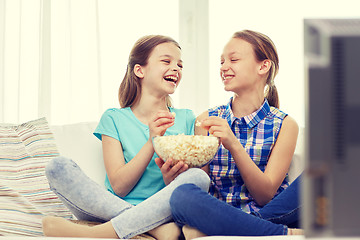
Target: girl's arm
123, 177
261, 185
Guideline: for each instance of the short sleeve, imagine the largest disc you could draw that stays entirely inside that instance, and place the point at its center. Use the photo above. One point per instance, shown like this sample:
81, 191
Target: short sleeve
107, 126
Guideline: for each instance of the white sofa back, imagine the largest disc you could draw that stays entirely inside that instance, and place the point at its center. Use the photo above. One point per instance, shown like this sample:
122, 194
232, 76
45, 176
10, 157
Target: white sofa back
76, 141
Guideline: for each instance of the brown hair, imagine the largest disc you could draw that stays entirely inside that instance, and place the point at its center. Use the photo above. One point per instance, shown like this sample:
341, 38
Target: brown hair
130, 87
264, 49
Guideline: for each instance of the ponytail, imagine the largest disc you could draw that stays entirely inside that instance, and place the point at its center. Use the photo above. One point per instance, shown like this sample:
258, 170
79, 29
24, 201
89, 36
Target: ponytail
271, 92
272, 96
130, 89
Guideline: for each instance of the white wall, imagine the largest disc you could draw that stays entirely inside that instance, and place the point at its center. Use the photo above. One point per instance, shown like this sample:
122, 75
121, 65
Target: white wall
282, 21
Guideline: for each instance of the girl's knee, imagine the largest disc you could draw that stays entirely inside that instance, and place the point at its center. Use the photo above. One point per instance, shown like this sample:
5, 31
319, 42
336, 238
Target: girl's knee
198, 177
180, 195
55, 167
184, 202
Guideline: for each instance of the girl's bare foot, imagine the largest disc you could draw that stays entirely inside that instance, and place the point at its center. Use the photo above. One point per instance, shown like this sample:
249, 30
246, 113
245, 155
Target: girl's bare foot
191, 233
167, 231
295, 231
60, 227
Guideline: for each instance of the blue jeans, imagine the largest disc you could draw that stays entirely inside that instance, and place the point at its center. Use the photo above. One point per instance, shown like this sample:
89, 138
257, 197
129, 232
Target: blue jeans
194, 207
89, 201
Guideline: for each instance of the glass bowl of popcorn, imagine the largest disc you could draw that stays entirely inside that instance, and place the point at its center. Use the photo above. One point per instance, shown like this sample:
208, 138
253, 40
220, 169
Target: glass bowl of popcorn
194, 150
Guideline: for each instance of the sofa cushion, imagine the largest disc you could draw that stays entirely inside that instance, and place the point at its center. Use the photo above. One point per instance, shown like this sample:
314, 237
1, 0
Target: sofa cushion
25, 196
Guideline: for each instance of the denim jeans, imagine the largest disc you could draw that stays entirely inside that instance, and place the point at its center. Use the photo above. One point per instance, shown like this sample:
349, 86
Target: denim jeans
194, 207
88, 200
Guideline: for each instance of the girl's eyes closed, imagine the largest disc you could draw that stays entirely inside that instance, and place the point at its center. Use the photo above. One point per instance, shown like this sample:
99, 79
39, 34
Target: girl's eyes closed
167, 62
231, 60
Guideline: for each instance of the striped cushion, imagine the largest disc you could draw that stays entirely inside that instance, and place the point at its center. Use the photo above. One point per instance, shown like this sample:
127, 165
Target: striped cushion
25, 196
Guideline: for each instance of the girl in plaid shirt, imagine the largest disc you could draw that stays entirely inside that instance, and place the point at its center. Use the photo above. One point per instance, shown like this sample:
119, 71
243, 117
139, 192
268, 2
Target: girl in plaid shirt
249, 172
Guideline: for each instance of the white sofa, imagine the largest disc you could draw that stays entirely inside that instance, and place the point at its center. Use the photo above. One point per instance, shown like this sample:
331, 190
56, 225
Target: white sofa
77, 142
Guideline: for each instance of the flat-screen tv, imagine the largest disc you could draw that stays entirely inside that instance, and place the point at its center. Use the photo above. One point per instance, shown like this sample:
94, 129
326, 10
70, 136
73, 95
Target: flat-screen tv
331, 183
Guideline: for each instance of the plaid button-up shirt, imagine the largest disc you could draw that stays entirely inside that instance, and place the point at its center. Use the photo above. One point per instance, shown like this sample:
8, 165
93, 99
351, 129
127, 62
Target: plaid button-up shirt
257, 133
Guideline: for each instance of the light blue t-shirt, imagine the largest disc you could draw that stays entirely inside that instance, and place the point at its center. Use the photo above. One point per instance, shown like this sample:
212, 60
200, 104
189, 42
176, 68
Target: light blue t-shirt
122, 125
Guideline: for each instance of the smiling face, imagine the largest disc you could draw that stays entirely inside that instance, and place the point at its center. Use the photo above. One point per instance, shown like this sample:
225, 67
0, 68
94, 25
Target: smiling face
239, 67
163, 71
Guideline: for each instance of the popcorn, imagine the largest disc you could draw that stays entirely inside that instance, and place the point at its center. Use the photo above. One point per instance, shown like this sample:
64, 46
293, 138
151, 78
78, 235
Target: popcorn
194, 150
173, 113
198, 123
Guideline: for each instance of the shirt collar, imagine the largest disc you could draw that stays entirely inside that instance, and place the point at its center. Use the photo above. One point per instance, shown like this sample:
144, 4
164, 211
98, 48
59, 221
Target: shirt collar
252, 119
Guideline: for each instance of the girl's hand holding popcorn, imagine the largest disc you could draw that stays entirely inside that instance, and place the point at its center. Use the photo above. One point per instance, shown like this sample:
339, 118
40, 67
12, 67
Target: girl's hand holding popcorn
219, 127
161, 121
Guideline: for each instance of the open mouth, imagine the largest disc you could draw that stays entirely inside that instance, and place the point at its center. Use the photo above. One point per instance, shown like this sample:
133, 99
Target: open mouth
171, 79
227, 77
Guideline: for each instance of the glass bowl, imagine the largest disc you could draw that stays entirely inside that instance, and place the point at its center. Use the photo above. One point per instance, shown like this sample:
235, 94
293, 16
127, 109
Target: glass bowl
194, 150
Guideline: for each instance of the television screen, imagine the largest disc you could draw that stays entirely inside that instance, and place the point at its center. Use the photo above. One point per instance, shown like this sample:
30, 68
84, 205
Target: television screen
331, 189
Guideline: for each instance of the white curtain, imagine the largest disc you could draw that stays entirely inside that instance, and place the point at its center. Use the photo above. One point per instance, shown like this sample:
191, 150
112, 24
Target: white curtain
19, 59
64, 59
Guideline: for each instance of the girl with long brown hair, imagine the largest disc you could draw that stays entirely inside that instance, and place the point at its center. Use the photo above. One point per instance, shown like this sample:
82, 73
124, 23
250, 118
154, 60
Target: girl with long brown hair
138, 186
